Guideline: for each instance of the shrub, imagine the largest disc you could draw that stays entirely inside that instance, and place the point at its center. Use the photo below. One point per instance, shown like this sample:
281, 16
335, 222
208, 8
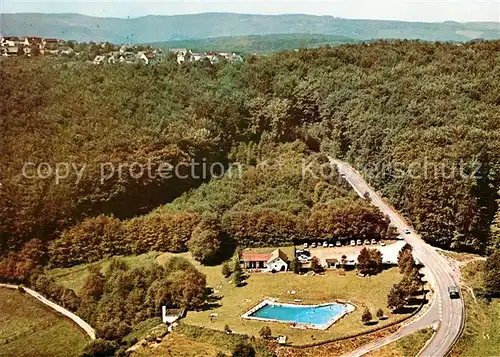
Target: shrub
295, 265
367, 316
315, 265
380, 313
243, 350
99, 348
205, 244
265, 332
226, 269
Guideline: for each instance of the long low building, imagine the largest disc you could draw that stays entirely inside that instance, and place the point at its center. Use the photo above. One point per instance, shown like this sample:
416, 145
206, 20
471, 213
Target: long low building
277, 260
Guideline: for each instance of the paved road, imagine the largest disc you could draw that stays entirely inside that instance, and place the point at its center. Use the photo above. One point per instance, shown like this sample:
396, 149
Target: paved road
444, 312
85, 326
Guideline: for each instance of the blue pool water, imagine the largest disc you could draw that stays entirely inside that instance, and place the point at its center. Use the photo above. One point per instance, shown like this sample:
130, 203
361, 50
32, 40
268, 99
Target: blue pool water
319, 316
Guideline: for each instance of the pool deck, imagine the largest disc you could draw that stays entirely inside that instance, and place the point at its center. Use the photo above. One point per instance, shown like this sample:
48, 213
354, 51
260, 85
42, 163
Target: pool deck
349, 308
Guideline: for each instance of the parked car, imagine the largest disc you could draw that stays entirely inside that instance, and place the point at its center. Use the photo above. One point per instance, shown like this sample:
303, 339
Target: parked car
382, 244
338, 243
374, 241
454, 292
366, 241
358, 242
313, 245
331, 245
353, 242
407, 231
325, 244
305, 245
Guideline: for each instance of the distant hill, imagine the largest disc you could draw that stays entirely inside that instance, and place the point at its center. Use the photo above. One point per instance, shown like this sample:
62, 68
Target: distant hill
257, 43
208, 25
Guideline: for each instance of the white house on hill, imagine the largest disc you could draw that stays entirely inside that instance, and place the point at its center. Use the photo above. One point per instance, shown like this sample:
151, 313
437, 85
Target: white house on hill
274, 261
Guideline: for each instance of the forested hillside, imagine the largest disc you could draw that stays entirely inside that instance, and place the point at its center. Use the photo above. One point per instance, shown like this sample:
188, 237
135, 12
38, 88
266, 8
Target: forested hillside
409, 115
257, 44
187, 27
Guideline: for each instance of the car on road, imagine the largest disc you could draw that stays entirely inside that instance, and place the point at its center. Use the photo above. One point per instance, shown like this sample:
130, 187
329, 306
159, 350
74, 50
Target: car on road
407, 231
305, 245
313, 245
366, 241
338, 244
454, 292
358, 242
382, 244
325, 244
374, 241
353, 242
342, 175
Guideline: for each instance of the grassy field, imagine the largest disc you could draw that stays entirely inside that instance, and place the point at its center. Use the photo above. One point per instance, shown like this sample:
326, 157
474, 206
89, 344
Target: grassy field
28, 328
481, 336
408, 346
370, 292
176, 345
74, 277
231, 302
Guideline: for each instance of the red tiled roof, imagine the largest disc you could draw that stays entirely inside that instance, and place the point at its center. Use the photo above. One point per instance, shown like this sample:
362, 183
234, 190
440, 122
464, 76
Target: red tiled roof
255, 257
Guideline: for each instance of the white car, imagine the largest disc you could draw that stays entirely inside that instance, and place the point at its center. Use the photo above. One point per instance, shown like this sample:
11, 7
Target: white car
305, 245
325, 244
407, 231
331, 245
374, 241
359, 242
313, 245
338, 244
353, 242
366, 241
382, 244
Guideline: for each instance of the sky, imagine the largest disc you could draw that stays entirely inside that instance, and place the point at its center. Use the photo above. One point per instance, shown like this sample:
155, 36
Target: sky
416, 10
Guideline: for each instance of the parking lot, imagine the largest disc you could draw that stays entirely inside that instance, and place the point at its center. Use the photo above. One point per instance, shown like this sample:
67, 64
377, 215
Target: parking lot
389, 251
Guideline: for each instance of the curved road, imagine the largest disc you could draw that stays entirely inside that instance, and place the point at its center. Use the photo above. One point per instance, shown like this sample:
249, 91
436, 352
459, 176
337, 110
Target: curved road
77, 320
448, 314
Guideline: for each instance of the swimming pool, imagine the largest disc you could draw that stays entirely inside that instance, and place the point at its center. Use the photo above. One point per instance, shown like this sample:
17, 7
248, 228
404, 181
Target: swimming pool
309, 316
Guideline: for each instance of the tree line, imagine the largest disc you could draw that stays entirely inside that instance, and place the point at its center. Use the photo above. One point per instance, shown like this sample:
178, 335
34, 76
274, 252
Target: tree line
265, 206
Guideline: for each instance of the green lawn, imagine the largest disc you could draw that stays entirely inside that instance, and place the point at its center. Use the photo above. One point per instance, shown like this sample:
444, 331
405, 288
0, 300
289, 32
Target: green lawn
28, 328
233, 302
177, 345
408, 346
481, 336
74, 277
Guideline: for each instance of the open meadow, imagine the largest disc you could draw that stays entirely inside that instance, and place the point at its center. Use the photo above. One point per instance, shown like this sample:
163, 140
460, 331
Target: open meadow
31, 329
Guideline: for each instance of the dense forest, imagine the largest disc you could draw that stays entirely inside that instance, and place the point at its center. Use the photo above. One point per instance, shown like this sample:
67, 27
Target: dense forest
421, 121
257, 43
